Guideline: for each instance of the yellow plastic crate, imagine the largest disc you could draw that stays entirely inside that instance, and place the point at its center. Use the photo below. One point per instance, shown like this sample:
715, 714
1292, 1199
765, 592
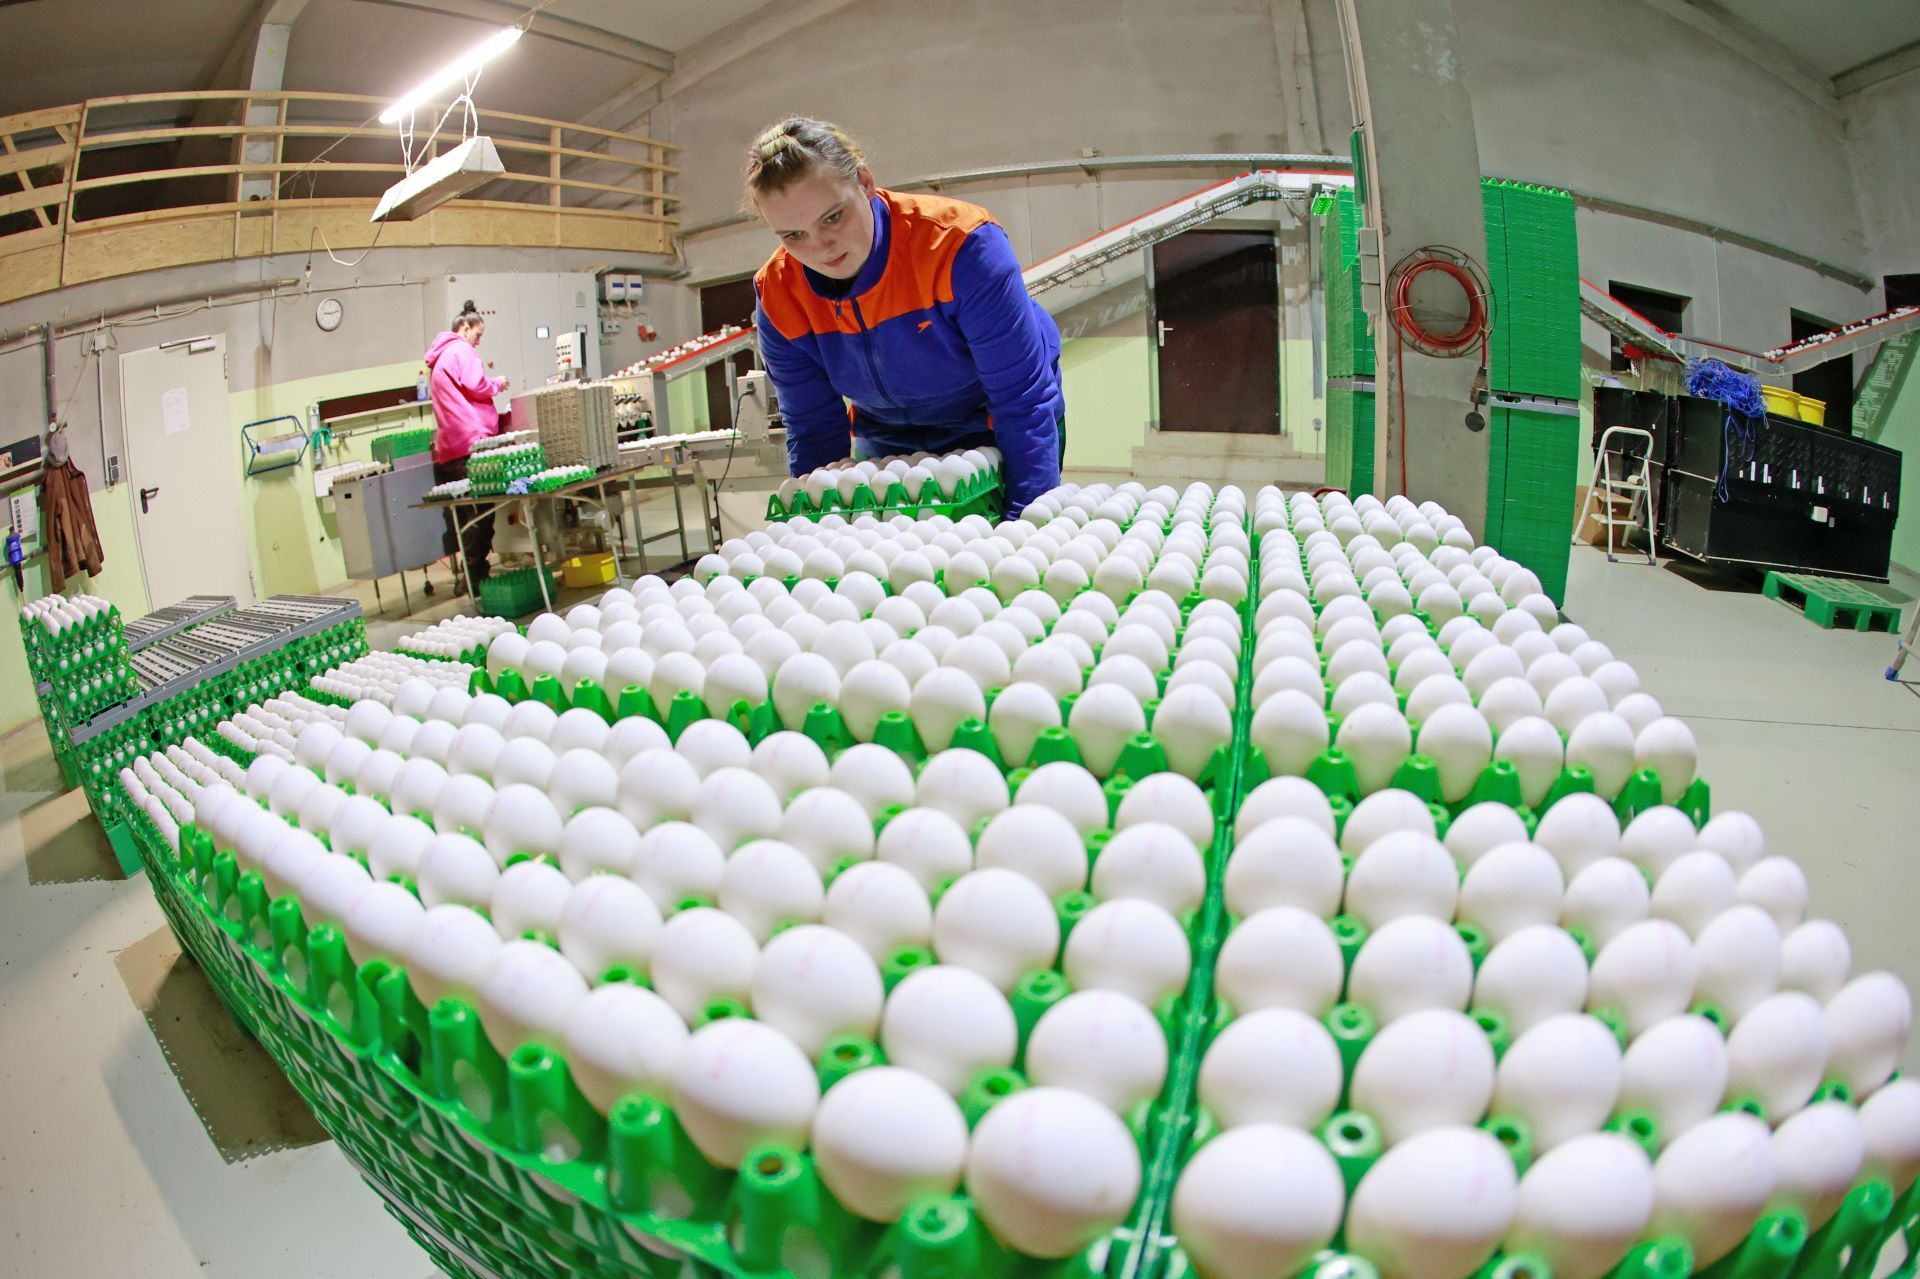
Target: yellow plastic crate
588, 570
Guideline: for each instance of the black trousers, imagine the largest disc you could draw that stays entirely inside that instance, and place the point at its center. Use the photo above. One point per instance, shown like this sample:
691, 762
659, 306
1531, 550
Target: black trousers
477, 542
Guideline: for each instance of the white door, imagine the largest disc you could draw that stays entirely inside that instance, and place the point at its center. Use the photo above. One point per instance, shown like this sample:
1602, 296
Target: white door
184, 461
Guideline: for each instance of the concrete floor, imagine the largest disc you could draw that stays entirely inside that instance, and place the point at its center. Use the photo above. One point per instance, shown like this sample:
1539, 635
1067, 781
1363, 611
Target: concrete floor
139, 1134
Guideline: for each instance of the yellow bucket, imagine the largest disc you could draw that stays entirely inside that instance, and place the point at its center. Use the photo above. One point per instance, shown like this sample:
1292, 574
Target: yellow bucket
1812, 411
1781, 401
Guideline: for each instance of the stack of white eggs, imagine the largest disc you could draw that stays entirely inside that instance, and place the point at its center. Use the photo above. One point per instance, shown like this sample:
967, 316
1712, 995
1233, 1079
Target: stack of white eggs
1501, 679
895, 480
782, 879
454, 636
166, 785
724, 871
1678, 919
1008, 657
271, 727
379, 676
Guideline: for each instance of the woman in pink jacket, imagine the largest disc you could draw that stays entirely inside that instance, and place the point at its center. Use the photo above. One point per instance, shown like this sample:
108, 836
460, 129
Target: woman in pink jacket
463, 414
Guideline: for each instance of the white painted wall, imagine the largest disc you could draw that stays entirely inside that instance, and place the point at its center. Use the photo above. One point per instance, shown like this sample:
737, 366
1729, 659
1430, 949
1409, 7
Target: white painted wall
1883, 137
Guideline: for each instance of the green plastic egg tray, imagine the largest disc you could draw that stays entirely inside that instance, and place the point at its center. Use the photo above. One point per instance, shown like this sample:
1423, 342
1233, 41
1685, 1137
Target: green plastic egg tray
980, 494
499, 1167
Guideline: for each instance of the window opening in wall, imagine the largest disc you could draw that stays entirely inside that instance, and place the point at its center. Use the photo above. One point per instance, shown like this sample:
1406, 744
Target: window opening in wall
1832, 381
1901, 290
1668, 310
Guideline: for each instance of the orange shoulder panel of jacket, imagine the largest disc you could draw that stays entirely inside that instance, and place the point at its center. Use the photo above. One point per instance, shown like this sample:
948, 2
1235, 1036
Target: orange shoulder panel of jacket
784, 293
928, 231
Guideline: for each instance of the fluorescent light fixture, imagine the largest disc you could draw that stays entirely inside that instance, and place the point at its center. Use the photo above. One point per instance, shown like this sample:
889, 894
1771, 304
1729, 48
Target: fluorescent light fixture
439, 180
455, 72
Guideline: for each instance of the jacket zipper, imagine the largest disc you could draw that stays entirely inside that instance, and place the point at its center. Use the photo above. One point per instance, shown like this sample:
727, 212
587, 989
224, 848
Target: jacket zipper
873, 365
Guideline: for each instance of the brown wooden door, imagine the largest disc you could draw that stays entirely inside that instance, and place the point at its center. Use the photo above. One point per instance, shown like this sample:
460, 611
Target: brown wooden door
1216, 298
729, 302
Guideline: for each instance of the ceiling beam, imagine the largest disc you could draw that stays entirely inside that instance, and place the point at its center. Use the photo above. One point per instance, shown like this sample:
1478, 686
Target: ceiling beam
1738, 37
564, 30
738, 39
1878, 70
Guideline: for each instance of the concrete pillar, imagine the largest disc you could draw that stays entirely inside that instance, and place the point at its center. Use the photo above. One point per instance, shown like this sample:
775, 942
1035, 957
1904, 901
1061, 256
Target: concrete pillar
1421, 162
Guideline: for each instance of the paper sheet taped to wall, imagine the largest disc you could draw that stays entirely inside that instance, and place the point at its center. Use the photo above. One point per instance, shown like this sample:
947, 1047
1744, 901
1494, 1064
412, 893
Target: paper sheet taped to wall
173, 409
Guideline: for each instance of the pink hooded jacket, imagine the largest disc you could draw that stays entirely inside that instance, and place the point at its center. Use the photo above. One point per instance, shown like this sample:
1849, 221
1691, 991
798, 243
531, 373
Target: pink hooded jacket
462, 396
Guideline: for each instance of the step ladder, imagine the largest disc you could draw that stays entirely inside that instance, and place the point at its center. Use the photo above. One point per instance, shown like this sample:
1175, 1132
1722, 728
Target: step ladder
1610, 488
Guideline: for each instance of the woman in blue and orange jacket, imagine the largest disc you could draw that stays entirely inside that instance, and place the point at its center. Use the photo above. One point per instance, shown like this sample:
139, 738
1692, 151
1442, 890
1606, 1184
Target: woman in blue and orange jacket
909, 307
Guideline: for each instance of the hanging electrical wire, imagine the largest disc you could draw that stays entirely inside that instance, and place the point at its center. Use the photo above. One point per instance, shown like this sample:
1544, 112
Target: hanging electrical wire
1475, 330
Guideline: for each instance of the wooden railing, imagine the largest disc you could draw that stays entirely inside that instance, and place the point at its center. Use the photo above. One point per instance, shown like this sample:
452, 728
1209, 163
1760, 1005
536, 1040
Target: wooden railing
115, 186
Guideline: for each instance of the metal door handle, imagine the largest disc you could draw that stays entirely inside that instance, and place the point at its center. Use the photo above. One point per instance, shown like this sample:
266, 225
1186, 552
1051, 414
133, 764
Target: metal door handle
144, 495
1165, 329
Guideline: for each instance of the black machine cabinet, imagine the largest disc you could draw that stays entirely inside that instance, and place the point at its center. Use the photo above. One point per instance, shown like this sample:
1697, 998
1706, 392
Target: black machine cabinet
1803, 499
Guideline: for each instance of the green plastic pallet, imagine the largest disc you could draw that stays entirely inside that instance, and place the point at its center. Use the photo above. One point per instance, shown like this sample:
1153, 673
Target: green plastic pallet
1833, 602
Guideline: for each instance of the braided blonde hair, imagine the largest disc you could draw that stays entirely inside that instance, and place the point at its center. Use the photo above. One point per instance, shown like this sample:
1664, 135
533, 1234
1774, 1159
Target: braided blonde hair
791, 150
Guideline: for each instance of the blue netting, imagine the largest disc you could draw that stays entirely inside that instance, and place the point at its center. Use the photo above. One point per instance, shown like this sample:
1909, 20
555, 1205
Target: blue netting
1746, 413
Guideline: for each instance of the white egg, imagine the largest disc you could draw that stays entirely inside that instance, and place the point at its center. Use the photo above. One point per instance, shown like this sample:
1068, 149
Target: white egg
1778, 886
1102, 1043
1242, 1072
1536, 973
1429, 1069
623, 1040
1711, 1184
735, 806
997, 923
1777, 1053
1815, 958
1131, 946
1868, 1022
949, 1024
1378, 741
1038, 842
1676, 1071
1283, 957
1050, 1170
529, 896
1410, 963
448, 954
885, 1137
1667, 747
1287, 861
813, 983
928, 844
607, 920
1735, 836
458, 870
739, 1085
1402, 873
1510, 888
1070, 790
703, 955
1582, 1205
790, 762
1284, 797
1561, 1077
1434, 1206
1891, 1118
522, 820
874, 775
767, 883
1578, 830
881, 906
381, 923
